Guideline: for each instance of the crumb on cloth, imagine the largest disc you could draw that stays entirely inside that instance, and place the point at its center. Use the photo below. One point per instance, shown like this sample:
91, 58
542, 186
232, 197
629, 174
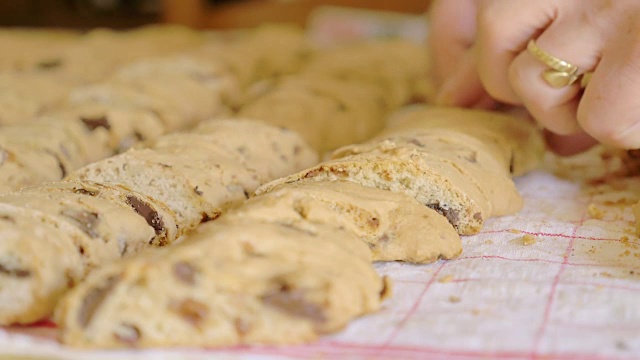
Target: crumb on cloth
636, 213
528, 239
595, 212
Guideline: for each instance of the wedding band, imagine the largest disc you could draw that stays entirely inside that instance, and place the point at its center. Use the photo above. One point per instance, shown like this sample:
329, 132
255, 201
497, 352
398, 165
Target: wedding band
562, 73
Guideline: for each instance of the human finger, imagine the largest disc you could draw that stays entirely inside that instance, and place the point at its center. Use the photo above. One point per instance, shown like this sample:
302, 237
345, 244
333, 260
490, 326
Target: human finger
452, 28
610, 106
555, 107
566, 145
504, 28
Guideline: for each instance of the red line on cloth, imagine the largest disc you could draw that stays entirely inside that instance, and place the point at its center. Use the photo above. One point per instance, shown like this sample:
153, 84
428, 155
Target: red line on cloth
574, 236
552, 294
498, 257
596, 265
414, 308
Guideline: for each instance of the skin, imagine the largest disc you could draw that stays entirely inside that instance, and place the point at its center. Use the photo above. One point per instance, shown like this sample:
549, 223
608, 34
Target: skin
480, 60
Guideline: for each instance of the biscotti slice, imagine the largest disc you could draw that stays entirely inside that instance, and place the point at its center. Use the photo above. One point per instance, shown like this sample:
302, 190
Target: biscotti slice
519, 137
12, 169
39, 260
271, 151
238, 61
52, 140
136, 170
394, 226
110, 94
25, 95
432, 181
196, 186
361, 111
92, 145
155, 213
192, 100
211, 74
279, 49
467, 153
121, 126
116, 230
300, 111
229, 284
20, 166
393, 66
218, 180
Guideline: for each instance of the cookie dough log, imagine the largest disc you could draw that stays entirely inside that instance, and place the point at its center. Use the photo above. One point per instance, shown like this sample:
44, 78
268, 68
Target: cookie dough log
472, 156
432, 180
395, 226
519, 141
234, 282
197, 179
328, 113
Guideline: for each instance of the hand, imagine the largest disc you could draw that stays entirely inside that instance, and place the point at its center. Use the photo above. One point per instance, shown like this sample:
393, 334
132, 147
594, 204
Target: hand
480, 51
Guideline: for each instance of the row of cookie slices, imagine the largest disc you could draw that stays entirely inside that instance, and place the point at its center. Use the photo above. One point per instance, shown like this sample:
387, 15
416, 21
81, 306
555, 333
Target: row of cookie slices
293, 262
154, 96
129, 167
139, 102
42, 67
54, 233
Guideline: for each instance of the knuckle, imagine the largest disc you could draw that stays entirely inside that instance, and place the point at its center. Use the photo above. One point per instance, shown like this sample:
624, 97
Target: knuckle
619, 133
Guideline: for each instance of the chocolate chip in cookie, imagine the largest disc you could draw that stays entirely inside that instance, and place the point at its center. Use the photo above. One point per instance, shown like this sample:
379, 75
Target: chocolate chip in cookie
147, 212
93, 123
94, 299
293, 302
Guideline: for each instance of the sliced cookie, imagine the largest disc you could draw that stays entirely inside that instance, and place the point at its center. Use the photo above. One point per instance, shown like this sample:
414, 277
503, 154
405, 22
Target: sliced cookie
300, 111
155, 213
114, 229
271, 151
195, 196
467, 153
232, 283
518, 137
121, 126
394, 226
22, 166
433, 181
40, 258
119, 94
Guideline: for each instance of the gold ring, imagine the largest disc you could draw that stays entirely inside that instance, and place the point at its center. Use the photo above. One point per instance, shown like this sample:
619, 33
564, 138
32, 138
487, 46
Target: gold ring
562, 73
